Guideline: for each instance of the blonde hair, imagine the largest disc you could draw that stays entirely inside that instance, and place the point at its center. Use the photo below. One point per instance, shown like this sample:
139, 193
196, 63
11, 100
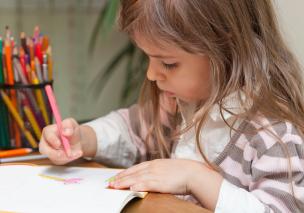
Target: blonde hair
246, 51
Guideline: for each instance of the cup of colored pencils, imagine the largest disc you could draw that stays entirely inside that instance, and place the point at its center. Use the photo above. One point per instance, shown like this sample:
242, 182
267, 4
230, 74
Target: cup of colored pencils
25, 68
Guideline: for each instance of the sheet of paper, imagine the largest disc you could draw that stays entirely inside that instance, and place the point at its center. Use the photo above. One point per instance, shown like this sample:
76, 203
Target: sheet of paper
28, 189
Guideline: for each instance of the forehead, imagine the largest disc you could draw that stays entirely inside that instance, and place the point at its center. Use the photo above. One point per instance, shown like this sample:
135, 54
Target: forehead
153, 45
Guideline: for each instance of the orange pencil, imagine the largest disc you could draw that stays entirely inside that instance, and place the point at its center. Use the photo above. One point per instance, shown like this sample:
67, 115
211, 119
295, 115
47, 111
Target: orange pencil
8, 61
15, 152
10, 80
45, 43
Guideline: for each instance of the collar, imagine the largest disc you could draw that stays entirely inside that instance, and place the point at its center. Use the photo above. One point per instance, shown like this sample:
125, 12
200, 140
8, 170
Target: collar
231, 103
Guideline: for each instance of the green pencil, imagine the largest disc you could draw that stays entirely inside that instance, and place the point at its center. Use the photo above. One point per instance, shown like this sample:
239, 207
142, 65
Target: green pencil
110, 179
4, 134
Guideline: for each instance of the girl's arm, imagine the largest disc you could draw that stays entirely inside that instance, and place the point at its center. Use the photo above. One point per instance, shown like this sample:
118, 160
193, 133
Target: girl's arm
111, 140
220, 196
205, 185
88, 141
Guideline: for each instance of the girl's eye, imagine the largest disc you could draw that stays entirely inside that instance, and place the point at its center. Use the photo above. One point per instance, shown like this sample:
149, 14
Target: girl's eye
169, 66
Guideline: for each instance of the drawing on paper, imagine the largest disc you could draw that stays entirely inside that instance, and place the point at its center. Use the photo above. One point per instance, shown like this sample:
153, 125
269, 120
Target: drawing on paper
64, 180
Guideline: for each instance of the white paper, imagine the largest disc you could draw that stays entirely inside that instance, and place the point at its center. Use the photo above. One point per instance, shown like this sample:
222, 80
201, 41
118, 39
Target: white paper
23, 190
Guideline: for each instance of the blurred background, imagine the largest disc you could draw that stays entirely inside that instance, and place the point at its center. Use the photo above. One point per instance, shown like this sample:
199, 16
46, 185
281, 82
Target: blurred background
75, 25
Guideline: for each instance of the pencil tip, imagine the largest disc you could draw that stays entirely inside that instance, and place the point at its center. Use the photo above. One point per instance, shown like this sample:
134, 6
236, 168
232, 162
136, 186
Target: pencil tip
29, 150
15, 51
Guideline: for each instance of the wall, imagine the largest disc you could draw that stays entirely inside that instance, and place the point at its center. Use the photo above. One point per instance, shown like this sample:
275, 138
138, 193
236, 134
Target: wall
69, 25
291, 19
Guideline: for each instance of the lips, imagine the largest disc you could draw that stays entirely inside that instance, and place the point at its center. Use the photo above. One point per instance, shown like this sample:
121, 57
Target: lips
168, 93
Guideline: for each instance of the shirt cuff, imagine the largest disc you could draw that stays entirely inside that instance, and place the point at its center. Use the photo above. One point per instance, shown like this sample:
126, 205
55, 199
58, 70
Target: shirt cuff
234, 199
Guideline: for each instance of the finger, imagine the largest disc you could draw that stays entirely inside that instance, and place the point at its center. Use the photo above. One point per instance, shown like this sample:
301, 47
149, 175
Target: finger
46, 149
68, 126
127, 181
57, 156
71, 130
145, 186
50, 135
133, 169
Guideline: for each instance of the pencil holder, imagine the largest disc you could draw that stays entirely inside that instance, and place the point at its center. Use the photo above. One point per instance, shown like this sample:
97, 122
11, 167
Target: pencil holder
24, 112
25, 68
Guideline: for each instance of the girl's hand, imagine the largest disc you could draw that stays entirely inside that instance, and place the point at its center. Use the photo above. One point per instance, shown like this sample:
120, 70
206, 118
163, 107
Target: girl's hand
161, 175
50, 143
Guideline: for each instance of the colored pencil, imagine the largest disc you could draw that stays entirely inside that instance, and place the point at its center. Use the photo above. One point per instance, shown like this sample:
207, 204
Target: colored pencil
18, 119
24, 69
15, 152
40, 100
52, 100
4, 137
23, 158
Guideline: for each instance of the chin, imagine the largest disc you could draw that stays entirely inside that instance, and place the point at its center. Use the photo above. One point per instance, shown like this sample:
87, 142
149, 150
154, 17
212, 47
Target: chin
189, 100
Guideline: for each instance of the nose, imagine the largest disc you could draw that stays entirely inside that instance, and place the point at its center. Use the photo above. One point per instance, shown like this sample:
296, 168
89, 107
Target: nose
155, 75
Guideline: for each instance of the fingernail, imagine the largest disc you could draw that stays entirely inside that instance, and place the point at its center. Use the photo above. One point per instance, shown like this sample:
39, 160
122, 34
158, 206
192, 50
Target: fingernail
76, 154
59, 154
68, 131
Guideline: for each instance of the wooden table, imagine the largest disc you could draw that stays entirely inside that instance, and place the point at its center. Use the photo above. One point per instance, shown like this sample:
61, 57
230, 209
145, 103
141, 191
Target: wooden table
153, 202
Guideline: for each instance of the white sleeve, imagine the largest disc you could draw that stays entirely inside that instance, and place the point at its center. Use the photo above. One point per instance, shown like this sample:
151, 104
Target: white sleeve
114, 145
234, 199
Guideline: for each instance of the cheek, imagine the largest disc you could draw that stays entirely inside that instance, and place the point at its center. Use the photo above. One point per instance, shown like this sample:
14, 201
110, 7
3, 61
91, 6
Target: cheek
198, 86
199, 89
193, 90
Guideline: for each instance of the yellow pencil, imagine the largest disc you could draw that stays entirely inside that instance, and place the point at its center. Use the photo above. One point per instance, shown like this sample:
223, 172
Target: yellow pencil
110, 179
32, 121
40, 101
18, 119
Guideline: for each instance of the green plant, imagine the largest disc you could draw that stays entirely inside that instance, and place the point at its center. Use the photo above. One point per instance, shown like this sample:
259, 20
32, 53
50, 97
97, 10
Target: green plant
135, 59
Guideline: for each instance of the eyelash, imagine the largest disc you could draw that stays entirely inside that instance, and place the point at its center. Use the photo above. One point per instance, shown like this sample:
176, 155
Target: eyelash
169, 66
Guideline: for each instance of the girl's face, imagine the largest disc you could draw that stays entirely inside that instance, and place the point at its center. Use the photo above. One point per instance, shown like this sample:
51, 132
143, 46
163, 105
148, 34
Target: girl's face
176, 72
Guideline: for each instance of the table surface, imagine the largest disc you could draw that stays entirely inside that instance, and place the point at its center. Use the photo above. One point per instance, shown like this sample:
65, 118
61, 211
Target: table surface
151, 203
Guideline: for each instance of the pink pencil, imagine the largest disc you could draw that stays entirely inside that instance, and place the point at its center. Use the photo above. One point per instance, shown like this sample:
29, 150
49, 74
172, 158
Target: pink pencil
52, 100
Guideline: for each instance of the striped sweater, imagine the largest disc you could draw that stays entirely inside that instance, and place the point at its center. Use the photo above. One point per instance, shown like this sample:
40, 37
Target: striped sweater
253, 159
257, 163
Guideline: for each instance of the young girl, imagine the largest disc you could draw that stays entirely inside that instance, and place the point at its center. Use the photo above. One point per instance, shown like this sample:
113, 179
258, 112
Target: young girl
221, 115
